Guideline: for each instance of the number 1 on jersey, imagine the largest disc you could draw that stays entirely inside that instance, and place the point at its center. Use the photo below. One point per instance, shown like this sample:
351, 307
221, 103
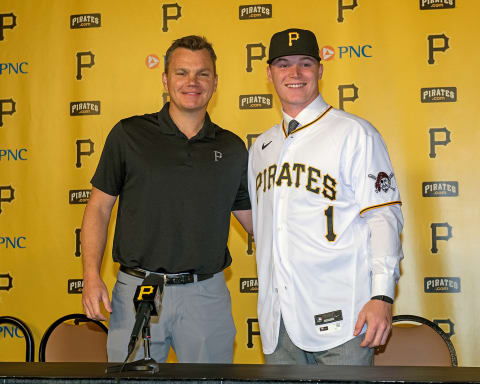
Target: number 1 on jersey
331, 236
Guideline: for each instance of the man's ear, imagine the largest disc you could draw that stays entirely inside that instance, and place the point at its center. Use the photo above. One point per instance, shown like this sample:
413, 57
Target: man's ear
269, 73
164, 81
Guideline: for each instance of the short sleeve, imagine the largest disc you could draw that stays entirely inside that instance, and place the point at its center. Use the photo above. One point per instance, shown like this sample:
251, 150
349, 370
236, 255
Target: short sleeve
242, 199
110, 174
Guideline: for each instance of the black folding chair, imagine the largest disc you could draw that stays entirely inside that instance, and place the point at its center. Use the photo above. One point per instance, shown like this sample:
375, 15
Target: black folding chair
29, 343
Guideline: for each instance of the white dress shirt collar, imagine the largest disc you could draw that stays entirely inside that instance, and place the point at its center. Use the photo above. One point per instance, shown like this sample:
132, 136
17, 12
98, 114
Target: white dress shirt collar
309, 113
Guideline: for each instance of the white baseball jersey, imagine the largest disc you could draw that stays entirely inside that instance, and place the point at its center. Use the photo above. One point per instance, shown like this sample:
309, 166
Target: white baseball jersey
309, 192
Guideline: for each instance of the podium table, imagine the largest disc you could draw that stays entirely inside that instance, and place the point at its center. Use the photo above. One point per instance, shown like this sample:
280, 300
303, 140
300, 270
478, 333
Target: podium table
92, 373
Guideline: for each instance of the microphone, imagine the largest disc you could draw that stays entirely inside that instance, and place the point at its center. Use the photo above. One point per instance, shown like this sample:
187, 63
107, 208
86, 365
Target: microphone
147, 303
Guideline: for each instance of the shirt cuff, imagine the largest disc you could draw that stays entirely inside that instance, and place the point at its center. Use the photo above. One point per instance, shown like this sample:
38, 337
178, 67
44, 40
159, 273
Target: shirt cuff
383, 285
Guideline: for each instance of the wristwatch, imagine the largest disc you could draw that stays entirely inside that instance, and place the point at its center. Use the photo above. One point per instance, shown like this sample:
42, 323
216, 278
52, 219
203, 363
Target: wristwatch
383, 298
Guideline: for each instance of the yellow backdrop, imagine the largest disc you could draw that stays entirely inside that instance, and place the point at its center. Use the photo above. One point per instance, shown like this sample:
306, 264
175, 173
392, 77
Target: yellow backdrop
70, 69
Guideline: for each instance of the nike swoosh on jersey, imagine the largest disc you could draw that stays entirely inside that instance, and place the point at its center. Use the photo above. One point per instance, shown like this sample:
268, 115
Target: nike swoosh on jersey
266, 145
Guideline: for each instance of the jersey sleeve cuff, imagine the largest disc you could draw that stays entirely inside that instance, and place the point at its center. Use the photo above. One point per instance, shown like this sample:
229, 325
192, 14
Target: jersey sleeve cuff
379, 206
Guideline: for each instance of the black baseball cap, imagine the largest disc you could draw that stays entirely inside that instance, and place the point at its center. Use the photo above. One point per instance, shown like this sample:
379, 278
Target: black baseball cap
293, 41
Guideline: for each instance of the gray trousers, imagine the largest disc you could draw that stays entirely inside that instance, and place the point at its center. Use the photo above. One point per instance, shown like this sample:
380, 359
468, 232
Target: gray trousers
195, 320
349, 353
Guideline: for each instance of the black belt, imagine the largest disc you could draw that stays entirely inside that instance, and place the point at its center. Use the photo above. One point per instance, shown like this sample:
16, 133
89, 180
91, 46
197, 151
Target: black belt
184, 278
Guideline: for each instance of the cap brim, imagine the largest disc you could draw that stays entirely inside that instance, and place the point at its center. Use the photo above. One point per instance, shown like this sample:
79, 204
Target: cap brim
270, 61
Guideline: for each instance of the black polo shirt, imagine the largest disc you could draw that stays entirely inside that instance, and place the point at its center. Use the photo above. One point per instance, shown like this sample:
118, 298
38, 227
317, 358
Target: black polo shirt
176, 194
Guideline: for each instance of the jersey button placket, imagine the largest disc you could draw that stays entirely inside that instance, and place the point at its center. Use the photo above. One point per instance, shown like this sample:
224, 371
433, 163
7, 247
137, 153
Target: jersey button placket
279, 201
283, 199
281, 204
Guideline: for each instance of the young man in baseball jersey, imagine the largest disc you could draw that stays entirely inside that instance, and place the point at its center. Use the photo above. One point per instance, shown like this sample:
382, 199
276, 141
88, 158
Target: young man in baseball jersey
327, 219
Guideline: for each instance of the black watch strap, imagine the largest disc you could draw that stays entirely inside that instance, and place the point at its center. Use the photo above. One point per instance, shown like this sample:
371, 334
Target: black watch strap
383, 298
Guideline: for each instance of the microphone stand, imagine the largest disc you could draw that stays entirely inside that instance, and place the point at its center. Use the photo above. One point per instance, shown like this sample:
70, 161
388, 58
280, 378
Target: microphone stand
147, 364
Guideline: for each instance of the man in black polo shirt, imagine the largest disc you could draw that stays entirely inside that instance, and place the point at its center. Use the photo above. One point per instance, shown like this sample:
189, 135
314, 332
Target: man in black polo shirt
178, 176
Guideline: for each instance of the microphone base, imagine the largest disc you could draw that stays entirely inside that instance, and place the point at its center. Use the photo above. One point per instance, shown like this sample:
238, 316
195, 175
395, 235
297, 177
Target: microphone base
145, 365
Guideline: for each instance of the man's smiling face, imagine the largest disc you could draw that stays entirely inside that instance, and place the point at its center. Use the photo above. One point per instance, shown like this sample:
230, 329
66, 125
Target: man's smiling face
191, 79
296, 81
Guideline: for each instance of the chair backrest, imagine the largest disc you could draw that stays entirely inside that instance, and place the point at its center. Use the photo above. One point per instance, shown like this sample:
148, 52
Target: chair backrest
27, 334
74, 338
416, 341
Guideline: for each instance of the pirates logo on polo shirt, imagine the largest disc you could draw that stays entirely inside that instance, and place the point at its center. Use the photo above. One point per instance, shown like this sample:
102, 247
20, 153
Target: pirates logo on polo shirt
218, 155
383, 182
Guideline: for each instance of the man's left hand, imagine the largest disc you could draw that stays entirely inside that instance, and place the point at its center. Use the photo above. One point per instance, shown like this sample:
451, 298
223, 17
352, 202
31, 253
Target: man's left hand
378, 316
